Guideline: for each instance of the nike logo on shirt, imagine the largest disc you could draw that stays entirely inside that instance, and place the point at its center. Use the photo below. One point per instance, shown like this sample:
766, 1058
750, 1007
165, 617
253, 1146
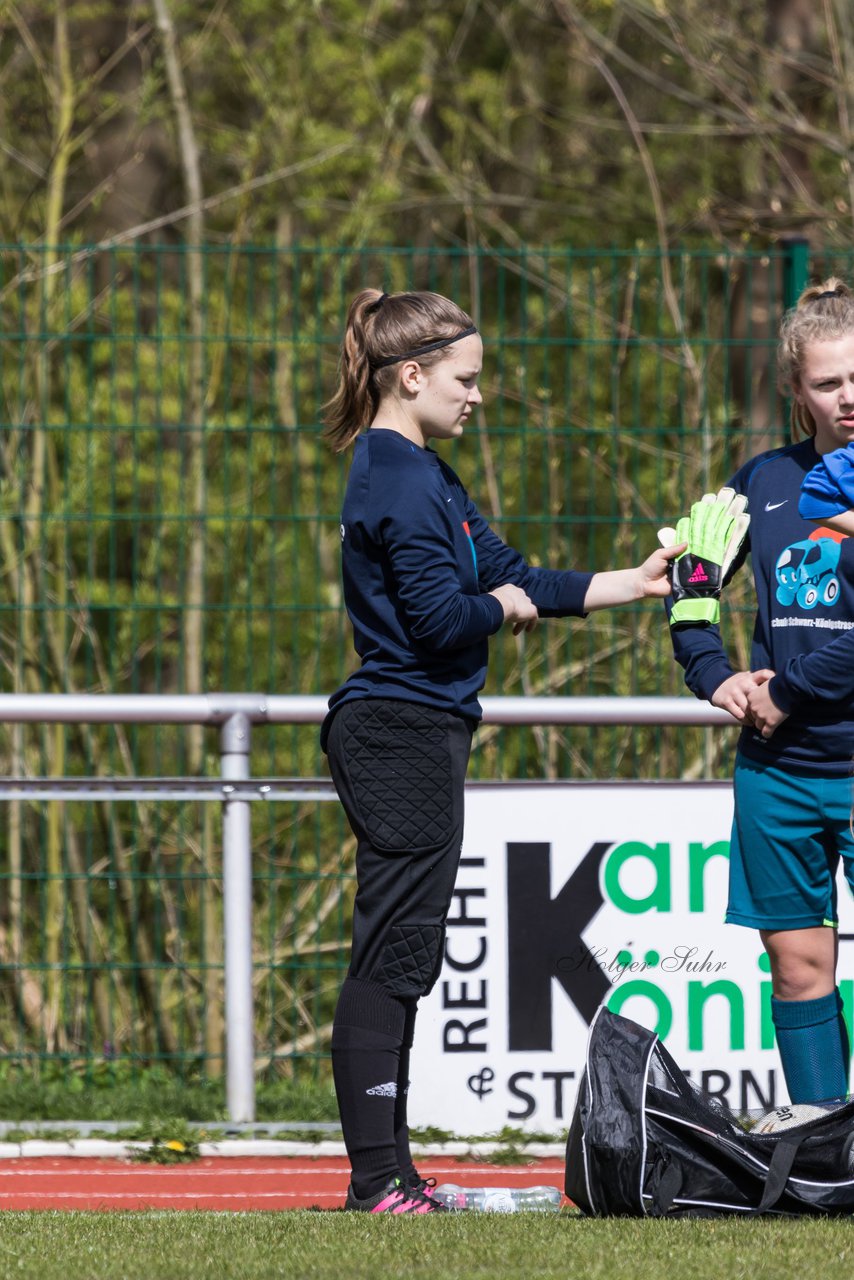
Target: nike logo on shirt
772, 506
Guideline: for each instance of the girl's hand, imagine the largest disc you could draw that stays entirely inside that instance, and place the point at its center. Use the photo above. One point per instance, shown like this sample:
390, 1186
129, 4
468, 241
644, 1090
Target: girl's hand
734, 694
518, 608
762, 709
625, 586
654, 573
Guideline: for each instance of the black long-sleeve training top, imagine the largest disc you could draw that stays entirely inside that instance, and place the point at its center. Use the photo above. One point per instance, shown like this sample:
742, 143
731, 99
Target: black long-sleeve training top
418, 563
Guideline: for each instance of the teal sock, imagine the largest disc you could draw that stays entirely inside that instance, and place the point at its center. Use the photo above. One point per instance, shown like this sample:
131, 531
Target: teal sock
813, 1043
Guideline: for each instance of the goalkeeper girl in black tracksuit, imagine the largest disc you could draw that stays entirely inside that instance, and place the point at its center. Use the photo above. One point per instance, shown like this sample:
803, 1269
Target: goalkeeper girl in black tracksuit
793, 766
426, 583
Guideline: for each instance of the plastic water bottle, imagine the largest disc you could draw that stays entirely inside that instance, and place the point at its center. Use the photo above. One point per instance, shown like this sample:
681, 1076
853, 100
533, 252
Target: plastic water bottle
499, 1199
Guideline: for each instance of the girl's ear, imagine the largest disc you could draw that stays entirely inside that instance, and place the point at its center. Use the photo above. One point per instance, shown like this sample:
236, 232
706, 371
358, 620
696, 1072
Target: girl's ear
411, 377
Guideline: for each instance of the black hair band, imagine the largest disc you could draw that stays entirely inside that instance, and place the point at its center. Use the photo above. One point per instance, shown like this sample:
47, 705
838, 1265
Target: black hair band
422, 351
829, 293
375, 305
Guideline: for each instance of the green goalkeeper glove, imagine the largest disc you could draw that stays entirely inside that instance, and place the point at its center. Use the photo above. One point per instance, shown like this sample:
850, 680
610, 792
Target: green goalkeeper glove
714, 532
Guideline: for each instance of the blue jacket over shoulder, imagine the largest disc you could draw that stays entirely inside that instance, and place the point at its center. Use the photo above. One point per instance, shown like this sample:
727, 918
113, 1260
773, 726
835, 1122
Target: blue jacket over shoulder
828, 489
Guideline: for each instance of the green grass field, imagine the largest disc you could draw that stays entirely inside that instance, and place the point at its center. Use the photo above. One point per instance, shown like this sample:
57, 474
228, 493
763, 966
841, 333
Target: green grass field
338, 1246
153, 1094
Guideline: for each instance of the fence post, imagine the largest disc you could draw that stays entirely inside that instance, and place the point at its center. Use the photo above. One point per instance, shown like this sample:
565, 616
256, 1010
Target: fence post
796, 268
235, 744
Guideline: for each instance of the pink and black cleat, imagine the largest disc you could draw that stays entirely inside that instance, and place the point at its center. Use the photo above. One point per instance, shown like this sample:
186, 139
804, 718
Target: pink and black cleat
395, 1197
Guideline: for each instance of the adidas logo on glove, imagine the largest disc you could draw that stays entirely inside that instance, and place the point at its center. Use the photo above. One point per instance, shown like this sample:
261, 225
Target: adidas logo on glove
714, 532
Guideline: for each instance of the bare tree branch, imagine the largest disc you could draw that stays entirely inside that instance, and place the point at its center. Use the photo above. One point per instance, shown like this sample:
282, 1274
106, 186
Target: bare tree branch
178, 215
841, 96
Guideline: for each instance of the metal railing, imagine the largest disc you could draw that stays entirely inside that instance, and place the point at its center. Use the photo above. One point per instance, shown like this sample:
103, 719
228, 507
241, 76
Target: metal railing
235, 714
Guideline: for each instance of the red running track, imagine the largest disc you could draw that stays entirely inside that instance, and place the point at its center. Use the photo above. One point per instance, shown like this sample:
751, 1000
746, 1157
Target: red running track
226, 1184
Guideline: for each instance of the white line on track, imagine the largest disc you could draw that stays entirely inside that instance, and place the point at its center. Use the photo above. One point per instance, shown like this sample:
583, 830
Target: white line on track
172, 1195
497, 1175
173, 1171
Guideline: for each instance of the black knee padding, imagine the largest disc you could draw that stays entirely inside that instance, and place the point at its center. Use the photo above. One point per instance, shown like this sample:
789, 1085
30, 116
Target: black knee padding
411, 959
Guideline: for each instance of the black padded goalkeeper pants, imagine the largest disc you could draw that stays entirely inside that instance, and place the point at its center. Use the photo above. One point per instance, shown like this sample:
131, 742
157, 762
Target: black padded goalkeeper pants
399, 769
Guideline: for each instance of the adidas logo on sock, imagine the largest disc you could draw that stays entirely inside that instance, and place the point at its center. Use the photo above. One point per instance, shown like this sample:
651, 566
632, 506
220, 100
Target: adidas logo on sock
699, 575
387, 1090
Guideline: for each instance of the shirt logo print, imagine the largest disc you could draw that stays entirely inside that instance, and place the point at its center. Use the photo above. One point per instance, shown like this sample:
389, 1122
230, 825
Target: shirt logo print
806, 572
471, 543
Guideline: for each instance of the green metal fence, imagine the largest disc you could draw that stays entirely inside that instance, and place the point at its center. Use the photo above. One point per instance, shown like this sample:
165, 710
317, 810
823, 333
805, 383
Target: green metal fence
170, 524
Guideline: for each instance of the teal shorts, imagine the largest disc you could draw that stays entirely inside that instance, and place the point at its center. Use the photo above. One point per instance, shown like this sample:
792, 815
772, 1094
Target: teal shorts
788, 833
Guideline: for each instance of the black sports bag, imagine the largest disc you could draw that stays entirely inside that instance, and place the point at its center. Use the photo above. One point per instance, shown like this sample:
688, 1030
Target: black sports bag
645, 1142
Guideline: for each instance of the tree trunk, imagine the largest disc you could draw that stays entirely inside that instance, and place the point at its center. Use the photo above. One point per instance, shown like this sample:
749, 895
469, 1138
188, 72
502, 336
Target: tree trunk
194, 680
